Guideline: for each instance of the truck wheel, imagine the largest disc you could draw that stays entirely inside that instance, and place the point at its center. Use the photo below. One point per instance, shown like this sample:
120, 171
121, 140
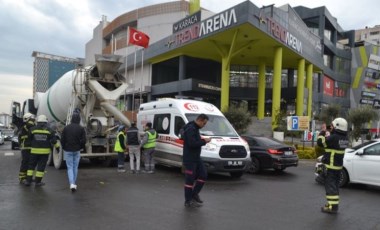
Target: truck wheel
50, 160
236, 175
58, 159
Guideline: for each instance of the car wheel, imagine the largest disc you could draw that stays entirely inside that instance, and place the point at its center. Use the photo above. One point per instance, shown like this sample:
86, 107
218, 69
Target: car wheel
344, 178
254, 166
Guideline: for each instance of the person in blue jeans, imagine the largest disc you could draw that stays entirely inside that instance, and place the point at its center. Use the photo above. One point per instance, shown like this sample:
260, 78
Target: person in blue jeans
73, 139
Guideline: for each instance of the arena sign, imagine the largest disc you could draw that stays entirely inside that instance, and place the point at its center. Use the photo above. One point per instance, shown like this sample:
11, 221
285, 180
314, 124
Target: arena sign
283, 35
190, 28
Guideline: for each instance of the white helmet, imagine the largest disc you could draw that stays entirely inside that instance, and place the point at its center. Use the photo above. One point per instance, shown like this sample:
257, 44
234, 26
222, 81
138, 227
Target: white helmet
42, 118
340, 124
27, 117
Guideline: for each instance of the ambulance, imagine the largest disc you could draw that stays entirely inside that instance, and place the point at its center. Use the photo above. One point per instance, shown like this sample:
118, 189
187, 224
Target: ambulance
226, 152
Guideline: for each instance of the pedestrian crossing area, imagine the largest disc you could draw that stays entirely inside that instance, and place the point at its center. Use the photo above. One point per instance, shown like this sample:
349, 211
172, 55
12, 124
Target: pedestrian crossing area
9, 154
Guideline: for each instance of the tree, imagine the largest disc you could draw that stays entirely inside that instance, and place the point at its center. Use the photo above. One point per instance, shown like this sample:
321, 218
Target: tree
239, 116
359, 116
280, 123
329, 113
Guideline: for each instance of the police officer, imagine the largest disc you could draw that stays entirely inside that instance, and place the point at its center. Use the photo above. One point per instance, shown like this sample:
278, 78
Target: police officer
120, 148
24, 141
334, 146
42, 138
149, 143
133, 142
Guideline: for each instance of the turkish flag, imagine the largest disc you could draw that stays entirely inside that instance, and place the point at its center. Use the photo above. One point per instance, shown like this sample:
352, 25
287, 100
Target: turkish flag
138, 38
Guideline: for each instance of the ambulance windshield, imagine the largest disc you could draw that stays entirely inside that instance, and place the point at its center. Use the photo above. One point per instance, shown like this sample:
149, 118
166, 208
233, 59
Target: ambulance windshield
216, 126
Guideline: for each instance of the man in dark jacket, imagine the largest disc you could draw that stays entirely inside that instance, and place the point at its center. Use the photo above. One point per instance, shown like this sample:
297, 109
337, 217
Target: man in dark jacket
73, 140
133, 142
195, 171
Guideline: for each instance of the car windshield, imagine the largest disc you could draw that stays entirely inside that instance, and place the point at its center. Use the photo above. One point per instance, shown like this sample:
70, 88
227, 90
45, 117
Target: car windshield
264, 141
216, 126
364, 144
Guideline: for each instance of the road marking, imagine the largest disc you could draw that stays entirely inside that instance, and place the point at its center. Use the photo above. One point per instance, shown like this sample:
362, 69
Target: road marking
9, 154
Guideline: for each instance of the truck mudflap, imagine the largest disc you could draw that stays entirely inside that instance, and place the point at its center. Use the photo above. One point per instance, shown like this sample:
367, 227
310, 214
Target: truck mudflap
225, 165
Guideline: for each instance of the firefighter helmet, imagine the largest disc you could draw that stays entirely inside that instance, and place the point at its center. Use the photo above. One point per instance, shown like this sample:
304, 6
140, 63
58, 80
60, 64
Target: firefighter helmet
27, 117
340, 124
42, 118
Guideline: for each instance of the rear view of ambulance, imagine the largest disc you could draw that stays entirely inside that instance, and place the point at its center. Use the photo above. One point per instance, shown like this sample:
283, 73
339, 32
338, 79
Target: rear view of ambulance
227, 151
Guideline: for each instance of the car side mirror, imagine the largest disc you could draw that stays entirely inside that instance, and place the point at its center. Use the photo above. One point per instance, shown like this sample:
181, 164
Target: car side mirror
360, 152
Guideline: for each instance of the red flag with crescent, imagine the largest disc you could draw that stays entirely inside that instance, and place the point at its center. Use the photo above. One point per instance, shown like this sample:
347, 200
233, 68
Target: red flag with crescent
138, 38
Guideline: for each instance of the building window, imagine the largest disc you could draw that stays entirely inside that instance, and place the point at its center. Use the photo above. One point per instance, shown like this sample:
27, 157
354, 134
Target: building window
374, 33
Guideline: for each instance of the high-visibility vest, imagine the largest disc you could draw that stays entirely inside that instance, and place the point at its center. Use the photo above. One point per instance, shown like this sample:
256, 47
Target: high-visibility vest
151, 143
118, 147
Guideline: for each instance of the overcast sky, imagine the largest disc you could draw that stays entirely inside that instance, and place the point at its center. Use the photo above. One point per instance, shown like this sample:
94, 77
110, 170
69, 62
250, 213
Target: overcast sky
63, 27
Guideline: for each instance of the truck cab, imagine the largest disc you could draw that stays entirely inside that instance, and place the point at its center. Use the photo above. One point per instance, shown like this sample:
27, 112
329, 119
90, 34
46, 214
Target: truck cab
227, 151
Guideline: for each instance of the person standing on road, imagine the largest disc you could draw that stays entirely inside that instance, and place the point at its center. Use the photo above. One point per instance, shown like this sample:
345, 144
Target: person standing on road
24, 141
133, 142
334, 147
149, 143
120, 148
42, 139
73, 139
195, 171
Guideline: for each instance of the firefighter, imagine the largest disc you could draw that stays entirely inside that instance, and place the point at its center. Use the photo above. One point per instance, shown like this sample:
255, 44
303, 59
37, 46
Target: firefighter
42, 138
24, 141
334, 146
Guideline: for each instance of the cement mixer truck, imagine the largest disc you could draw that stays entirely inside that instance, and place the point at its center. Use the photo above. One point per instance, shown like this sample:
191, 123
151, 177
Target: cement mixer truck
91, 90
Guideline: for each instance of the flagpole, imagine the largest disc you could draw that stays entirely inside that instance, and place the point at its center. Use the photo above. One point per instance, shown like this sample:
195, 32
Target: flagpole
126, 69
142, 73
134, 83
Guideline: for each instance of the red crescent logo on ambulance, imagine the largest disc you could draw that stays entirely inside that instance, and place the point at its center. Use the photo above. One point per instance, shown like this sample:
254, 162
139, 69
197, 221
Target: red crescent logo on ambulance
191, 107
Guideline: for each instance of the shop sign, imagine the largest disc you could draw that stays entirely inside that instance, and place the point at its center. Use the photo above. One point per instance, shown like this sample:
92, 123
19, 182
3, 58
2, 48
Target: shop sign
368, 94
328, 86
376, 104
187, 22
374, 62
366, 101
209, 87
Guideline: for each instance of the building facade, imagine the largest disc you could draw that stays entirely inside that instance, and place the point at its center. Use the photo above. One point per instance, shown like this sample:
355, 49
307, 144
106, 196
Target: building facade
48, 68
297, 59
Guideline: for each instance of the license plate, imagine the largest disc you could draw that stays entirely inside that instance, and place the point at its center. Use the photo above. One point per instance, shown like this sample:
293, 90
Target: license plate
287, 153
235, 163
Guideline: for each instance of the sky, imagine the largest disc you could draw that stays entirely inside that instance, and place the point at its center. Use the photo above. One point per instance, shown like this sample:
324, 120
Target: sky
63, 27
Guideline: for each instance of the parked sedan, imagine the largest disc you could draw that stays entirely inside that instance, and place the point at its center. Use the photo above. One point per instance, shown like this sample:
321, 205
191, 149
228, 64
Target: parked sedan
361, 164
15, 144
267, 153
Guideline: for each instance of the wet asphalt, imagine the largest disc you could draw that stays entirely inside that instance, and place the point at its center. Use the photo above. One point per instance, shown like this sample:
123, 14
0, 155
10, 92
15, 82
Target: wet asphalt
106, 199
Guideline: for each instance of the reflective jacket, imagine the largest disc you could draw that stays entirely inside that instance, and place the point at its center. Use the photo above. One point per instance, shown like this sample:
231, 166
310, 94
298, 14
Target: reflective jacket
120, 142
23, 136
149, 140
334, 145
42, 138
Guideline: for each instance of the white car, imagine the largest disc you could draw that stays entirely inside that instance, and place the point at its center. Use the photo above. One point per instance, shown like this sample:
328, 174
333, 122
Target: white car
361, 164
1, 139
